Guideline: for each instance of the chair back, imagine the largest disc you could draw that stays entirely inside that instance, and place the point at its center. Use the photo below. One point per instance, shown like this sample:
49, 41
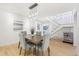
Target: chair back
46, 38
38, 33
38, 36
22, 39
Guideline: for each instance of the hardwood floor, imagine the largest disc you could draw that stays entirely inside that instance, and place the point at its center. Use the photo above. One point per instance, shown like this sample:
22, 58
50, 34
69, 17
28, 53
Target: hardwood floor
57, 48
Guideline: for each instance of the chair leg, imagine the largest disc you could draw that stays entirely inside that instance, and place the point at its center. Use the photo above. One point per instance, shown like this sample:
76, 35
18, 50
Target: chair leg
34, 51
42, 53
20, 50
18, 45
24, 52
38, 52
48, 51
29, 49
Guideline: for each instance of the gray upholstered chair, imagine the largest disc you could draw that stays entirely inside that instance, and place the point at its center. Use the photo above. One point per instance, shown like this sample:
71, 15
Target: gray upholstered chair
22, 42
38, 33
46, 38
39, 45
44, 44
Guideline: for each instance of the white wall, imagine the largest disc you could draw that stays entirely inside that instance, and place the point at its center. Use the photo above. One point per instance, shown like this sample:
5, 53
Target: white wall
63, 18
28, 24
76, 30
7, 35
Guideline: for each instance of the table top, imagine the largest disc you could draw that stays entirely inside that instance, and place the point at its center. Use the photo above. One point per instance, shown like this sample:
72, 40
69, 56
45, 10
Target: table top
34, 39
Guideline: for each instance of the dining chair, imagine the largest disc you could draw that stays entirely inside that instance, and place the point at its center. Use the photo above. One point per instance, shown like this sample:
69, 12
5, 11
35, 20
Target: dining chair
38, 33
38, 46
43, 45
21, 35
22, 43
46, 39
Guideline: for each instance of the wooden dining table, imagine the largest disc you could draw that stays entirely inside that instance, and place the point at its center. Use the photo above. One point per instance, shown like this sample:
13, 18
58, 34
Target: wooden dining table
34, 38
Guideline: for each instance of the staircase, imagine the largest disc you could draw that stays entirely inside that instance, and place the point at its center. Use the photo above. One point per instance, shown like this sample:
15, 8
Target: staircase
56, 26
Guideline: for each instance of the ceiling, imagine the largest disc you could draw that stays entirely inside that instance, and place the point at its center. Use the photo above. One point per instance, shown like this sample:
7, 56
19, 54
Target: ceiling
17, 8
50, 9
44, 9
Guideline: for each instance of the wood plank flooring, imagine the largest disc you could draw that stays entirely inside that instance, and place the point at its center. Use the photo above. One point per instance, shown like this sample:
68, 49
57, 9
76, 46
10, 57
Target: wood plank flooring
57, 48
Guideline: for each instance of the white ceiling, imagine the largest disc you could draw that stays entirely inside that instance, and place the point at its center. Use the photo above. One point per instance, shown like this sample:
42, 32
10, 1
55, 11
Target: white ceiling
44, 9
17, 8
49, 9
